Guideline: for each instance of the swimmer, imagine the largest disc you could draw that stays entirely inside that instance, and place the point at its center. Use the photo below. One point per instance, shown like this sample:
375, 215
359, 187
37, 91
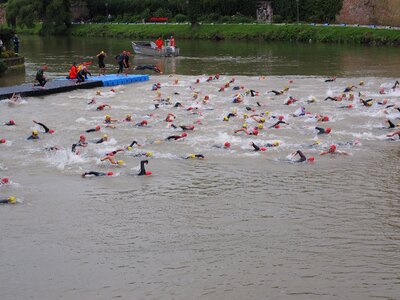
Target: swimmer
198, 156
334, 98
322, 130
15, 98
9, 200
367, 102
93, 101
132, 144
258, 120
10, 123
2, 141
128, 118
349, 89
141, 124
103, 139
322, 118
4, 181
332, 150
81, 143
177, 104
277, 124
148, 67
146, 154
103, 106
391, 124
257, 148
142, 169
34, 135
346, 106
96, 174
331, 79
46, 129
226, 145
291, 100
52, 148
394, 133
176, 137
274, 144
97, 128
170, 117
302, 158
111, 159
252, 93
277, 93
183, 127
396, 84
108, 120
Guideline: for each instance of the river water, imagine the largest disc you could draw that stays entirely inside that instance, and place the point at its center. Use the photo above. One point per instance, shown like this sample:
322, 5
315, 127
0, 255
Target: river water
238, 225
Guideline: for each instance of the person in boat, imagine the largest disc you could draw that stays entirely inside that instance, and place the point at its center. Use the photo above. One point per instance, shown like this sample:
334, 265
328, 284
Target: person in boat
73, 71
172, 43
40, 77
46, 129
102, 66
159, 43
96, 174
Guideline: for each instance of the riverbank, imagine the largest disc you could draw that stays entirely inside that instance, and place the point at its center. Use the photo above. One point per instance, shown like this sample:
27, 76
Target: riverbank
264, 32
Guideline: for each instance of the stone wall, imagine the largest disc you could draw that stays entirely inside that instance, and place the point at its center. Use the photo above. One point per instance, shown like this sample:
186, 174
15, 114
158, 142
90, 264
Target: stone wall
380, 12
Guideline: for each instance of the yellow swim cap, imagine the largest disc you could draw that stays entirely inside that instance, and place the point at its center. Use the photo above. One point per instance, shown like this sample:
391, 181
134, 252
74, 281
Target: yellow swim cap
108, 117
369, 103
129, 148
34, 132
260, 126
12, 199
98, 92
226, 118
149, 153
276, 143
266, 113
317, 142
120, 162
244, 125
262, 120
105, 136
128, 116
192, 156
245, 116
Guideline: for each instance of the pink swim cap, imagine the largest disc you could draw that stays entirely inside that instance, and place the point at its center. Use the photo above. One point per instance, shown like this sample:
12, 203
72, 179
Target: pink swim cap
280, 118
2, 141
82, 137
227, 145
11, 122
263, 148
97, 127
4, 180
311, 159
51, 131
184, 134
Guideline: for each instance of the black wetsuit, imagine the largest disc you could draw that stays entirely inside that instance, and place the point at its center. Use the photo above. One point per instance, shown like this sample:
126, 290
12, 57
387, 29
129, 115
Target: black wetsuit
142, 169
302, 156
391, 125
102, 140
396, 84
78, 144
177, 104
46, 129
120, 59
5, 201
82, 75
256, 148
40, 77
331, 98
196, 156
330, 80
148, 67
173, 137
94, 173
9, 124
133, 143
276, 92
251, 92
33, 137
230, 115
321, 130
277, 123
91, 130
101, 58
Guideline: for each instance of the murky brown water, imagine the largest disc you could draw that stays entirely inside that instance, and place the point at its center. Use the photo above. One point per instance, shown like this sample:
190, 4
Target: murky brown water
238, 225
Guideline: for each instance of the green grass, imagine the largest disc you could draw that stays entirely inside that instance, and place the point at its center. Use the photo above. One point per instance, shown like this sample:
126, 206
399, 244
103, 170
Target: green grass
266, 32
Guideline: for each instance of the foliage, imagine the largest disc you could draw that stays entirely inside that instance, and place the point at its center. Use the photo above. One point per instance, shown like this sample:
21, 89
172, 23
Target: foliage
55, 14
295, 33
6, 34
180, 18
3, 68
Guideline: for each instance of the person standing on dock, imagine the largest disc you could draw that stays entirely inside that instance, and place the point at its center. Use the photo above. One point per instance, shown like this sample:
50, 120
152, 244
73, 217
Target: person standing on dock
40, 77
159, 43
172, 43
102, 66
121, 60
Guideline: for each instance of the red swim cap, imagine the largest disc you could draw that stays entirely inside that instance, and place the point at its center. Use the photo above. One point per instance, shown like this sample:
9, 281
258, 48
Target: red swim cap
4, 180
277, 126
255, 131
206, 97
197, 80
328, 130
112, 90
333, 147
227, 145
325, 119
290, 81
263, 148
82, 137
11, 122
110, 173
148, 173
311, 159
144, 122
184, 134
2, 141
51, 131
97, 127
280, 118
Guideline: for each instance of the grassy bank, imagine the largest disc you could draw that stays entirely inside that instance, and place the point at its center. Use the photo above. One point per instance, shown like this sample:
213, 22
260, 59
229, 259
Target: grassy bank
266, 32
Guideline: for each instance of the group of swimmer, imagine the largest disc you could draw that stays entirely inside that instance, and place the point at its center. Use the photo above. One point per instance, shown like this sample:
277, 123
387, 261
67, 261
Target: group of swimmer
252, 114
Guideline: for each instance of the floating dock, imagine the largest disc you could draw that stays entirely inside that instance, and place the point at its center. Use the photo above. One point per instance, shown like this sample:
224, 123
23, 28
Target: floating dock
61, 85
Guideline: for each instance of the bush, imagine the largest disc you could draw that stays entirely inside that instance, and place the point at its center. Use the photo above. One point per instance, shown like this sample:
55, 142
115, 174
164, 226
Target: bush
277, 19
7, 54
3, 68
179, 18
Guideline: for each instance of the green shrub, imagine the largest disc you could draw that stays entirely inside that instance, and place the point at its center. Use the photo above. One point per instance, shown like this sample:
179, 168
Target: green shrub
179, 18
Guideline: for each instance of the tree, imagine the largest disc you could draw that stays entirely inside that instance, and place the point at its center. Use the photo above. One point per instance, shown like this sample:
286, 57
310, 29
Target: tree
57, 17
194, 10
